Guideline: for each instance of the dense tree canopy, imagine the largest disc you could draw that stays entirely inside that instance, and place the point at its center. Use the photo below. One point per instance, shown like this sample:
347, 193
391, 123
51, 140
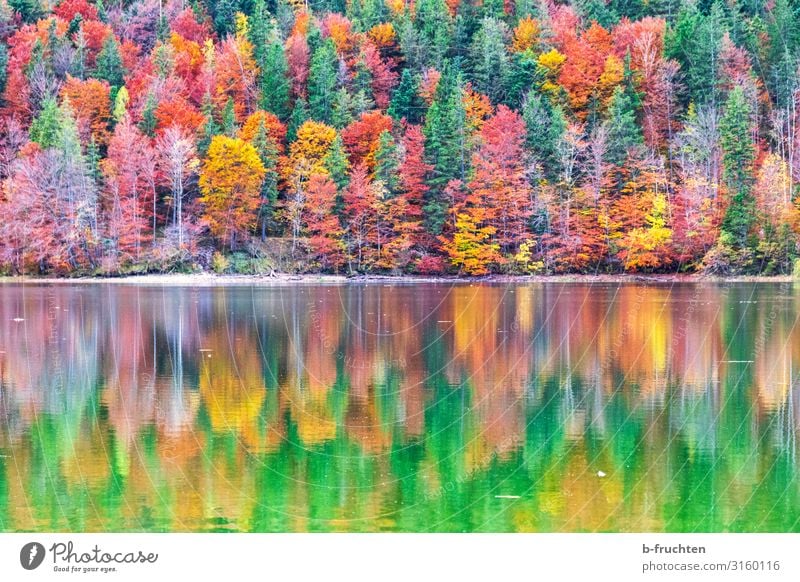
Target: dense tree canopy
434, 136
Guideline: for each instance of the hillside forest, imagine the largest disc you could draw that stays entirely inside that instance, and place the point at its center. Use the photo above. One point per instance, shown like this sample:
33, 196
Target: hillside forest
399, 136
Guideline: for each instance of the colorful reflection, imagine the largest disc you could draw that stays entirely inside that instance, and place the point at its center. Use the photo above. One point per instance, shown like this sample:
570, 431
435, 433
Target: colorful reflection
400, 407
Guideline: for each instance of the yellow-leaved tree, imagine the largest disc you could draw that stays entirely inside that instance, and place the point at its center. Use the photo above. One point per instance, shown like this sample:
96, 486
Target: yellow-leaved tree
526, 35
307, 153
549, 65
648, 248
230, 183
471, 249
308, 156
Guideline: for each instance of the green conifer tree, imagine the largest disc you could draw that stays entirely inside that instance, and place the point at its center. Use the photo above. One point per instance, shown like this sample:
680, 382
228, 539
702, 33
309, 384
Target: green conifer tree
738, 156
109, 64
46, 127
268, 153
624, 133
387, 163
299, 117
406, 102
445, 144
322, 82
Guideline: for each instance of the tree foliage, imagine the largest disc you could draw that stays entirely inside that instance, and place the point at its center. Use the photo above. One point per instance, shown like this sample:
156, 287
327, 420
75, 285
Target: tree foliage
434, 136
230, 183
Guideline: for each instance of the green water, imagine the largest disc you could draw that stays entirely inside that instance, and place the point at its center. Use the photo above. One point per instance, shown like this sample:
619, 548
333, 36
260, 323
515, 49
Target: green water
400, 407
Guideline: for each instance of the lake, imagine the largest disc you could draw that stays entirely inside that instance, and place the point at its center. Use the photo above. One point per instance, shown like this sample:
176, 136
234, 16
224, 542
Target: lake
543, 407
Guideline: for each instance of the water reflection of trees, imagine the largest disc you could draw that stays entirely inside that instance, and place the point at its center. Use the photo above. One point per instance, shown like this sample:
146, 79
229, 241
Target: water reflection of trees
399, 407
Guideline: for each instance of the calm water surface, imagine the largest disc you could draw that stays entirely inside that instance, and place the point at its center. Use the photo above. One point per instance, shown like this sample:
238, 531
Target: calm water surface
400, 407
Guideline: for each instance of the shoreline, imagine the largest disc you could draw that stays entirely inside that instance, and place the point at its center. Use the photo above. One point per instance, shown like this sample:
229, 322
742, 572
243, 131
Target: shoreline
286, 280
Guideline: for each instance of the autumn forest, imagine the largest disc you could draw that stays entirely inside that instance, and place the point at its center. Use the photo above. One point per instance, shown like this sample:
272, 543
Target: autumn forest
399, 136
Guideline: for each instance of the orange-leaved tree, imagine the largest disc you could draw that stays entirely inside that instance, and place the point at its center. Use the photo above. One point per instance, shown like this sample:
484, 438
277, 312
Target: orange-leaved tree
91, 103
362, 137
499, 185
321, 224
276, 131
